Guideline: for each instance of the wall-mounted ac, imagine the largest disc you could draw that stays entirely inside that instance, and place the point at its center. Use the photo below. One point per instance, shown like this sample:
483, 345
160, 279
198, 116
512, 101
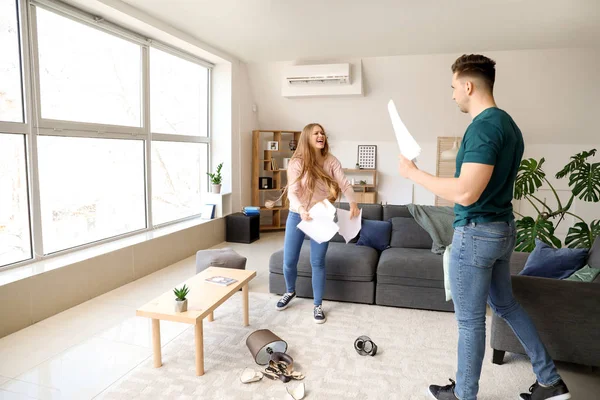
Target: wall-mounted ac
318, 74
315, 80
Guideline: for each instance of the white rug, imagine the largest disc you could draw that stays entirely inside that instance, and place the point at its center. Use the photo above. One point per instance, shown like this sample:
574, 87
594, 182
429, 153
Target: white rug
416, 348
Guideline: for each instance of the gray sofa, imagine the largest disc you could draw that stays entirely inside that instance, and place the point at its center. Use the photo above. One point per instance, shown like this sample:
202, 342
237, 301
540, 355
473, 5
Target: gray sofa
407, 274
565, 313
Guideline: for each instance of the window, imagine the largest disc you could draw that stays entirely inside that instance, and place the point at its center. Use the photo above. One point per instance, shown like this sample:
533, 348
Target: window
15, 239
11, 95
87, 75
112, 113
90, 189
178, 95
178, 179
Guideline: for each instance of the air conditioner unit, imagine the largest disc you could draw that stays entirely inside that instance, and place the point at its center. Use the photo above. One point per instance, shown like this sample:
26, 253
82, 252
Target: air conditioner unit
333, 74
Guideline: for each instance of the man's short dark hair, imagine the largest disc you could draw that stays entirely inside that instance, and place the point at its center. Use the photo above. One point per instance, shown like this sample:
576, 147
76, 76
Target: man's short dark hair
476, 66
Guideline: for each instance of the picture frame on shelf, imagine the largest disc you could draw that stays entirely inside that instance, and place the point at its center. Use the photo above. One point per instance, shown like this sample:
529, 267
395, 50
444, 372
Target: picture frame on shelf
265, 182
367, 156
273, 145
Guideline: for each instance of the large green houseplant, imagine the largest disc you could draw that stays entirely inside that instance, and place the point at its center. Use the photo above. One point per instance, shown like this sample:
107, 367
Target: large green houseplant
584, 182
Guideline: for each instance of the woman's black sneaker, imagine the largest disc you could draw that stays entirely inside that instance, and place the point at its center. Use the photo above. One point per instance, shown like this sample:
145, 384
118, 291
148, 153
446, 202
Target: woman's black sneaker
319, 314
285, 301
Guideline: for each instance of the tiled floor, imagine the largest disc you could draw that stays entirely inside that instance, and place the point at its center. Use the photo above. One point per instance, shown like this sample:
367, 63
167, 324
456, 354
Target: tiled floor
80, 352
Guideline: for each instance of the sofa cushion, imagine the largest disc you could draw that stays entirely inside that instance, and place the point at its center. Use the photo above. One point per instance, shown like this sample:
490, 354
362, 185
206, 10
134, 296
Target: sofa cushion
548, 262
407, 233
390, 211
375, 234
344, 262
585, 274
411, 267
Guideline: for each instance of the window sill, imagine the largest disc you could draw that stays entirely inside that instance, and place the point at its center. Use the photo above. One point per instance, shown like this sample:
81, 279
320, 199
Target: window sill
32, 268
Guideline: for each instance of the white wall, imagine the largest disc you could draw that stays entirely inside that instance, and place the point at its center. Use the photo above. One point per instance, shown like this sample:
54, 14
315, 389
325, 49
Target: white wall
248, 121
552, 94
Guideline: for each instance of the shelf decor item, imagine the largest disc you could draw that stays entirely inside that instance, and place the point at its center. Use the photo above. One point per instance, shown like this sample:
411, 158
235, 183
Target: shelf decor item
293, 144
215, 179
367, 156
273, 146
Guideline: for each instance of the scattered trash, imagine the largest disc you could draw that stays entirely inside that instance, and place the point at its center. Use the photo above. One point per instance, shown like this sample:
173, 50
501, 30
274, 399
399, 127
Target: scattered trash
296, 394
269, 349
365, 346
249, 375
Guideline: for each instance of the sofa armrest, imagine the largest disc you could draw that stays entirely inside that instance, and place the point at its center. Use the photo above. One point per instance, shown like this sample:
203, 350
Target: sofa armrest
565, 315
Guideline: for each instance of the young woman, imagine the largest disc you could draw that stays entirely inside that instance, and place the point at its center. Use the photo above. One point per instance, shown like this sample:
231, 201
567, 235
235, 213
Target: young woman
313, 175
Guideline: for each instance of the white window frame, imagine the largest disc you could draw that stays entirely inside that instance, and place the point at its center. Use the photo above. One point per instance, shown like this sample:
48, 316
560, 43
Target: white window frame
34, 125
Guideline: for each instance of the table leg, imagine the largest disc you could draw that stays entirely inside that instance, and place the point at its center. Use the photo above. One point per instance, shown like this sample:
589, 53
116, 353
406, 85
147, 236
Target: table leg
211, 317
199, 349
156, 342
245, 301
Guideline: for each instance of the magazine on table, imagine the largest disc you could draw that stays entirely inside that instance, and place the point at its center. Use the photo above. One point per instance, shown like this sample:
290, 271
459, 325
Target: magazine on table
221, 280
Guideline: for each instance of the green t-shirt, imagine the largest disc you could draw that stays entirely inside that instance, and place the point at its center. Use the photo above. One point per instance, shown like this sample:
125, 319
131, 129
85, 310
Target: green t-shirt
493, 138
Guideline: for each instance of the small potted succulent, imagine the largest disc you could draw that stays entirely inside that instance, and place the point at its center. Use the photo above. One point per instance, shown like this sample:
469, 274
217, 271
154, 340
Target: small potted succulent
181, 299
215, 179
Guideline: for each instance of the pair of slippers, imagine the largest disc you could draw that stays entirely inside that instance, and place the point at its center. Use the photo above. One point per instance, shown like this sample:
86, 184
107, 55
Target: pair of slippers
249, 375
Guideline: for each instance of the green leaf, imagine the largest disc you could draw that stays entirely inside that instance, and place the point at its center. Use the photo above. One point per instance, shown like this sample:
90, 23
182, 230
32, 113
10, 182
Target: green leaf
529, 177
216, 178
181, 293
529, 229
577, 161
581, 236
585, 182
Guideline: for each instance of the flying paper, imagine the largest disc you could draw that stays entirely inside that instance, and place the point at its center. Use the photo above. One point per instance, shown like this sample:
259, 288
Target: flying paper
321, 228
409, 147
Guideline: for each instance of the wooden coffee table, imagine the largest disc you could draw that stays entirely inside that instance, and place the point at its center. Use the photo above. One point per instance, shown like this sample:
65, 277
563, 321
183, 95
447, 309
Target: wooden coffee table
203, 299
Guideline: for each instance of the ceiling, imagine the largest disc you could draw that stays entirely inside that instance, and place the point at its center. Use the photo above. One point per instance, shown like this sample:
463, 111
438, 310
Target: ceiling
285, 30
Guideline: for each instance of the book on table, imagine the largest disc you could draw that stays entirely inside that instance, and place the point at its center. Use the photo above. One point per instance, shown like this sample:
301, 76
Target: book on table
221, 280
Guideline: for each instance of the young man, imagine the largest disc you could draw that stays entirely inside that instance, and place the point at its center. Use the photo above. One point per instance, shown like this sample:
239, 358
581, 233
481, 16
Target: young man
484, 233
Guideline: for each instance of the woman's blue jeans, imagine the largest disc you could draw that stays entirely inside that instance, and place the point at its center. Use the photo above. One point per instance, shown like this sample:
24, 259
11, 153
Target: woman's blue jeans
292, 245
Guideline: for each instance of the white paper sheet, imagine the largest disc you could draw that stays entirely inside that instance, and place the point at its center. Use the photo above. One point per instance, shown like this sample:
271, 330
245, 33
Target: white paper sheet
321, 228
349, 227
408, 145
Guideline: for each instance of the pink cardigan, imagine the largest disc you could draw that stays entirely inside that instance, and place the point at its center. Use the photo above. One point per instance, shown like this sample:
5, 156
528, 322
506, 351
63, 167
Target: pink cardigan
299, 197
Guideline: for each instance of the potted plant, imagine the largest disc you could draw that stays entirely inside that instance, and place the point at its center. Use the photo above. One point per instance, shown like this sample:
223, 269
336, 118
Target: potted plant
584, 182
215, 179
181, 299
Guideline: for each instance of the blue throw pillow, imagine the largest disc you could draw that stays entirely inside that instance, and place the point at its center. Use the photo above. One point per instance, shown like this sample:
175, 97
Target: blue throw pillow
375, 234
548, 262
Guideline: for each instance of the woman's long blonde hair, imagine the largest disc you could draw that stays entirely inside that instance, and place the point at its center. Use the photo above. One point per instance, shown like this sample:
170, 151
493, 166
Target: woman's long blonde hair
310, 167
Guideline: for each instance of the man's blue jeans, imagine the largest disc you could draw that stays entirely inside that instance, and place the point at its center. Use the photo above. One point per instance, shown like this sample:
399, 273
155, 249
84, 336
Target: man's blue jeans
292, 244
480, 271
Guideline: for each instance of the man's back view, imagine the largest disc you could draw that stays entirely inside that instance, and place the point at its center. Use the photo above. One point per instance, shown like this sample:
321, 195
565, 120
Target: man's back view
484, 233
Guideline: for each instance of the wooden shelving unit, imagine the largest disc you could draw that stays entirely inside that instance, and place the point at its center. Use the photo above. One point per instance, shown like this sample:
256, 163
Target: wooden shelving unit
274, 218
365, 193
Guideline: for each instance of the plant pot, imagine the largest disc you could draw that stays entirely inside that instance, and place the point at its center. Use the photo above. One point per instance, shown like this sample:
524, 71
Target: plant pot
180, 305
216, 188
